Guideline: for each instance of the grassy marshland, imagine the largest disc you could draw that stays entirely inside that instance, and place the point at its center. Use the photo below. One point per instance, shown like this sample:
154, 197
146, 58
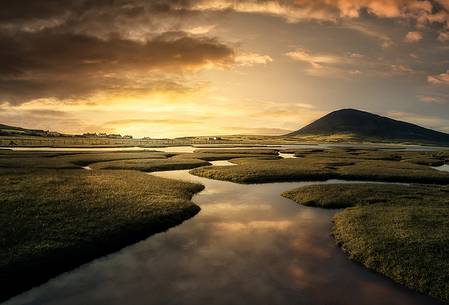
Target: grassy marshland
84, 159
55, 216
343, 195
257, 151
334, 164
212, 156
151, 165
54, 220
397, 230
65, 160
422, 158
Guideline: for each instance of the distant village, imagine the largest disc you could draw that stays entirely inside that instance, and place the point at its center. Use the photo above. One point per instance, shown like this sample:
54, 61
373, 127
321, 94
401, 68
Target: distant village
48, 133
106, 135
17, 131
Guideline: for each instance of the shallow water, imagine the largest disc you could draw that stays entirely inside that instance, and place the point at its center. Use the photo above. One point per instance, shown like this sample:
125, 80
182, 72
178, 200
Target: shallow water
444, 168
287, 155
189, 148
248, 245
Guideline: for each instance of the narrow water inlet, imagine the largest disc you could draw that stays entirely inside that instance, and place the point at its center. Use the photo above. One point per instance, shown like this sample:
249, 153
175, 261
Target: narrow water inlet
444, 167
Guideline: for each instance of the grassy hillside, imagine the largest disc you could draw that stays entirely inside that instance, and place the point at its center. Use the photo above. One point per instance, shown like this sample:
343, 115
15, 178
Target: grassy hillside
363, 125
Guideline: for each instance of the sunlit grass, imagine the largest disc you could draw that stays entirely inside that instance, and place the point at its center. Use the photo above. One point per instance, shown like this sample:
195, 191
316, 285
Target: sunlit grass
317, 165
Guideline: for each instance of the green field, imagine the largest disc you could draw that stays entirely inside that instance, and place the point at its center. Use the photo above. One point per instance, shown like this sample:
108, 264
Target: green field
315, 165
397, 230
151, 165
54, 220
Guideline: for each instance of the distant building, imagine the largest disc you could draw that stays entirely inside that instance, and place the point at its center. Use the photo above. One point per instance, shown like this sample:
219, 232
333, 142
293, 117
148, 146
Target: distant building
102, 135
146, 138
185, 138
40, 133
89, 135
114, 136
54, 134
127, 137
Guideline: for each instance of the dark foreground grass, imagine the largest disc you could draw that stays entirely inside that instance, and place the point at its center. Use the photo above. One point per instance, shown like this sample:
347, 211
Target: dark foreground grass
400, 231
55, 220
22, 162
151, 165
312, 168
408, 244
64, 160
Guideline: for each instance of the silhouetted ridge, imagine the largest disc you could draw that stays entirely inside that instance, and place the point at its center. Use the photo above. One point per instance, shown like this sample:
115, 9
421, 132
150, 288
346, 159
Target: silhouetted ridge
365, 125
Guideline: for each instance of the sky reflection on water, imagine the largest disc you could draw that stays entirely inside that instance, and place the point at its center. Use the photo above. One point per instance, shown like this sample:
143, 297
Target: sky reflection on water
248, 245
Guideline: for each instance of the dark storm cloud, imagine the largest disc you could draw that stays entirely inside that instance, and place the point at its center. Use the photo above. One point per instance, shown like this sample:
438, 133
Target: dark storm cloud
49, 51
57, 64
70, 49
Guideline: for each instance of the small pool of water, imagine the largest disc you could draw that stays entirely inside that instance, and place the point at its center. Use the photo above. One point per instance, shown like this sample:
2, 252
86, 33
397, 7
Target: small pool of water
286, 155
248, 245
444, 168
221, 163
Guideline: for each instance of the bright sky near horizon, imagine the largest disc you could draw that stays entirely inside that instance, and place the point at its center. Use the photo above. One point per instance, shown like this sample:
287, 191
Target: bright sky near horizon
184, 67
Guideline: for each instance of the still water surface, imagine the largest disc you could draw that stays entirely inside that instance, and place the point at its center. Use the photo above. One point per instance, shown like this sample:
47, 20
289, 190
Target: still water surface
189, 148
248, 245
444, 168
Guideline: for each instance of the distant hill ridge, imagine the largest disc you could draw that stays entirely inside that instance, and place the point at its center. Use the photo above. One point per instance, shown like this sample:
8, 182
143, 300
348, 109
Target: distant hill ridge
369, 126
6, 130
7, 127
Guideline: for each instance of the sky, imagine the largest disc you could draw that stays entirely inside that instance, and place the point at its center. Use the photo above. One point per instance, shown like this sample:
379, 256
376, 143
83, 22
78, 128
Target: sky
184, 67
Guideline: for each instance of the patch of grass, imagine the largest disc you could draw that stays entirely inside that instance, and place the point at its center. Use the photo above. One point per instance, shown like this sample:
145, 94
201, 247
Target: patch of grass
429, 158
203, 146
89, 158
221, 156
391, 171
302, 150
70, 160
54, 220
348, 195
32, 154
429, 161
409, 244
397, 230
319, 168
342, 195
22, 162
258, 171
150, 165
238, 151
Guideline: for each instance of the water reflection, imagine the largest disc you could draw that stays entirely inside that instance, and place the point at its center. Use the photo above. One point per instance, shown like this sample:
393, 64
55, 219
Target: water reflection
444, 168
248, 245
286, 155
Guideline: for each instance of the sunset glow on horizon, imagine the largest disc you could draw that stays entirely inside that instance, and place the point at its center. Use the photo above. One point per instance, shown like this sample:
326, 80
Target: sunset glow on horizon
185, 68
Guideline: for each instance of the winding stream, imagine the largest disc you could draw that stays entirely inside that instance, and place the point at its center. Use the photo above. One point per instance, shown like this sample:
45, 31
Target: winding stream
248, 245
